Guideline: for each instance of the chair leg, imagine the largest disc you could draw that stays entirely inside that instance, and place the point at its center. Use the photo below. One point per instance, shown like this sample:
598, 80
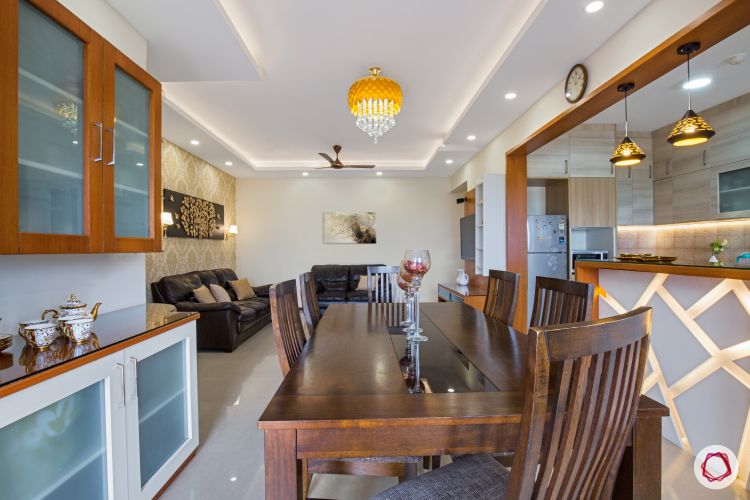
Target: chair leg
411, 471
435, 462
426, 463
306, 479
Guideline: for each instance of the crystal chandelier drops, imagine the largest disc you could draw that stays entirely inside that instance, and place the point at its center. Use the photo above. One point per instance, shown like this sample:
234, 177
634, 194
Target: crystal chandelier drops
375, 101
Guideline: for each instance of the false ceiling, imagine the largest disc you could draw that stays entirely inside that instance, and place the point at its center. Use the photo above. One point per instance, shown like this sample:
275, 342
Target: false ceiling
263, 83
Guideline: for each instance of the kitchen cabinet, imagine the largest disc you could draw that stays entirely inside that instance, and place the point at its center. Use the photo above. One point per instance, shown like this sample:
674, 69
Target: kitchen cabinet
662, 153
624, 203
551, 160
730, 190
732, 140
592, 202
80, 158
643, 194
115, 428
635, 197
590, 149
691, 196
663, 201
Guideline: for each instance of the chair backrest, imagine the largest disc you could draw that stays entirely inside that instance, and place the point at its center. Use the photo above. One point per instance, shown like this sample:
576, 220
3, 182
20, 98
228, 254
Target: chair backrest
593, 399
308, 289
287, 324
559, 301
381, 283
502, 292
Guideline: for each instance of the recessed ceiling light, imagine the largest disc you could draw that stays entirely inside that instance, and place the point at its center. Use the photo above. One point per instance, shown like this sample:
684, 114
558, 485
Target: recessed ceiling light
305, 174
594, 6
378, 173
139, 164
195, 142
471, 137
696, 83
449, 161
511, 95
228, 163
233, 478
75, 142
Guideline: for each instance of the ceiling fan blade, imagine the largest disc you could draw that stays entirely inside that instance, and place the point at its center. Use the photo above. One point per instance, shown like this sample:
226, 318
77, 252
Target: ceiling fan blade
359, 166
327, 157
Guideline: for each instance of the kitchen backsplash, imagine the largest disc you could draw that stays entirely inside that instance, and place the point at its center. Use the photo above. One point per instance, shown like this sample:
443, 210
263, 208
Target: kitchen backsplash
685, 241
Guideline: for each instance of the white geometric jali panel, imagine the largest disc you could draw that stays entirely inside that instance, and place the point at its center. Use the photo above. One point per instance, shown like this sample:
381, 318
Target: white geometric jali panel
699, 363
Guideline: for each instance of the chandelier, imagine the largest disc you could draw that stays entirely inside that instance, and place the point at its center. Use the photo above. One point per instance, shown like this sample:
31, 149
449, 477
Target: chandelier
375, 101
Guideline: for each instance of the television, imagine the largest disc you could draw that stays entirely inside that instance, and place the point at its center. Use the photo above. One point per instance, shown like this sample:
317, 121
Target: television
468, 231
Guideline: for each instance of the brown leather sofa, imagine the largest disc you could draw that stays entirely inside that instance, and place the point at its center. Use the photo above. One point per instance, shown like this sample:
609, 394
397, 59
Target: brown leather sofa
222, 325
337, 284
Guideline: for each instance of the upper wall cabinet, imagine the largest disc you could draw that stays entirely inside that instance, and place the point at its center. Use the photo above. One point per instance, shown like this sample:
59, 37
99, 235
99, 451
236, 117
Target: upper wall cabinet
732, 140
79, 158
590, 149
551, 160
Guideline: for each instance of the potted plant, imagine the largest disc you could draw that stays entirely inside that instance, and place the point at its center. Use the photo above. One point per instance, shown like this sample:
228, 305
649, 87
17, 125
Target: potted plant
717, 247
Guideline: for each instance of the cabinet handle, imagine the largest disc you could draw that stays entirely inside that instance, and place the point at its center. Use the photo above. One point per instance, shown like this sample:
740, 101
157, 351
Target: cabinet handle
669, 167
112, 130
630, 172
566, 166
99, 126
134, 391
612, 168
650, 171
704, 157
122, 385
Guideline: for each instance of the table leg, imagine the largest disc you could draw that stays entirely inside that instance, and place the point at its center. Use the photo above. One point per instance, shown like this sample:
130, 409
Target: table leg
639, 476
283, 470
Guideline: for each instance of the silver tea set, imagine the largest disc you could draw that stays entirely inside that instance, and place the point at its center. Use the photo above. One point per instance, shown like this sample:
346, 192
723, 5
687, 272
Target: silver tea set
71, 320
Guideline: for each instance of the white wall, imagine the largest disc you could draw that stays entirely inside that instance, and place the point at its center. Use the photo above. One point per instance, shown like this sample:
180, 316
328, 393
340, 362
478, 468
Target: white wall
655, 23
32, 283
280, 223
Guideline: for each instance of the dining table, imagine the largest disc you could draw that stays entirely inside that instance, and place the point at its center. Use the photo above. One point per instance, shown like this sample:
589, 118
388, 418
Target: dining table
354, 393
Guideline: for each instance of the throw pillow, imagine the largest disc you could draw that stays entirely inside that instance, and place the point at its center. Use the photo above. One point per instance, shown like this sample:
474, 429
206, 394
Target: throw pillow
362, 285
243, 289
219, 293
204, 295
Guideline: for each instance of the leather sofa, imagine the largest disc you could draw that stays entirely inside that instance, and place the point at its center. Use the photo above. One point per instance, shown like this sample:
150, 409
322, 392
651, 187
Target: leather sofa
222, 325
337, 284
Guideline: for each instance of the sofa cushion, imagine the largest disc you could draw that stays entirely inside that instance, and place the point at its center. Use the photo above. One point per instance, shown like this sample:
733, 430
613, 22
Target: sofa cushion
258, 304
219, 293
332, 296
179, 287
247, 314
356, 296
207, 277
332, 277
224, 276
204, 295
242, 288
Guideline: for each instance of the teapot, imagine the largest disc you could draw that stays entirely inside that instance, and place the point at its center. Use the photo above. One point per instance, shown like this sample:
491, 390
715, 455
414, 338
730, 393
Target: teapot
463, 278
73, 309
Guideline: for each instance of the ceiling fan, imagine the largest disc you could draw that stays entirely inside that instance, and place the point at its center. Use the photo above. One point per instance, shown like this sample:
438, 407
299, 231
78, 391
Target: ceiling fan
337, 164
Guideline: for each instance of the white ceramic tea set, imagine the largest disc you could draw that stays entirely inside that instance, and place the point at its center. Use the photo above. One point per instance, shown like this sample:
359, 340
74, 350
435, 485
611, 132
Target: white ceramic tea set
70, 320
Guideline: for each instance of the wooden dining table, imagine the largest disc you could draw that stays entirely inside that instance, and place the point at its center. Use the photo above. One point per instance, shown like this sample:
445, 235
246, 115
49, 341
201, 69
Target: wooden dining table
347, 396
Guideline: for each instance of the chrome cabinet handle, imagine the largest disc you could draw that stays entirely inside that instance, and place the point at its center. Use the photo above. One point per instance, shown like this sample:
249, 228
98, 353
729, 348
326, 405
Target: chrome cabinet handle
122, 385
134, 391
99, 126
704, 157
612, 169
650, 171
566, 166
669, 167
630, 172
112, 130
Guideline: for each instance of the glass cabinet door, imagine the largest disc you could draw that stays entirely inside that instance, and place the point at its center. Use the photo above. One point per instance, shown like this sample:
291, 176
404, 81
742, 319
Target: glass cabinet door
57, 111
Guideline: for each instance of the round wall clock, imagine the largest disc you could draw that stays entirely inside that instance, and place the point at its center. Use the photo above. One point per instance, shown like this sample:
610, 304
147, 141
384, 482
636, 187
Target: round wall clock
575, 83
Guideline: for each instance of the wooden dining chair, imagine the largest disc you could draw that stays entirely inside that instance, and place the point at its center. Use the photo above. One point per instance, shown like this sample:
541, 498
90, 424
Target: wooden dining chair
574, 426
310, 306
289, 337
558, 301
382, 284
502, 293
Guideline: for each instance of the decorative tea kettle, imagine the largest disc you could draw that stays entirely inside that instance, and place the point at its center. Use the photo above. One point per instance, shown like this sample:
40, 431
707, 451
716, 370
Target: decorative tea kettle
463, 278
73, 309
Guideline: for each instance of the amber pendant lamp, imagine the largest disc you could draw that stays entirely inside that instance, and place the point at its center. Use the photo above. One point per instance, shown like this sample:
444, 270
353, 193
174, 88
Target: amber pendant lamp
627, 153
692, 129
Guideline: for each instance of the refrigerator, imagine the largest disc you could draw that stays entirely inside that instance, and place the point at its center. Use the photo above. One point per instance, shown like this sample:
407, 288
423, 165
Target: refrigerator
547, 246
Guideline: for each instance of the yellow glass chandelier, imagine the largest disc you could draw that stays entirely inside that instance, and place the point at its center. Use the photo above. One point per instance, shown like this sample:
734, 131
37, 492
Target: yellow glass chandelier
375, 101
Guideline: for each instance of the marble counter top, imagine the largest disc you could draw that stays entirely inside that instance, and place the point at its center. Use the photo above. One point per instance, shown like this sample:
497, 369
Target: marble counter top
681, 267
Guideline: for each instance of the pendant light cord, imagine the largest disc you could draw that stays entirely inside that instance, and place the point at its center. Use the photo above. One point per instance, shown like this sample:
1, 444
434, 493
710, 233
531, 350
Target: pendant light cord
690, 102
626, 113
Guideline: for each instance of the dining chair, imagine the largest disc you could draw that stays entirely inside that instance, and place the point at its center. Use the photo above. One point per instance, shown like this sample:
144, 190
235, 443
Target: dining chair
558, 301
574, 426
382, 284
310, 306
289, 337
502, 292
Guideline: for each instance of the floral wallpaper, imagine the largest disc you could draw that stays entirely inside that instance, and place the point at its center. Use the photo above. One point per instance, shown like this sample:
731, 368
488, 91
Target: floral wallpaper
186, 173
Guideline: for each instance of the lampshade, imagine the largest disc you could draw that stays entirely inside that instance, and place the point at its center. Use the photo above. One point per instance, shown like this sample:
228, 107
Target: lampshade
232, 229
627, 153
690, 130
166, 219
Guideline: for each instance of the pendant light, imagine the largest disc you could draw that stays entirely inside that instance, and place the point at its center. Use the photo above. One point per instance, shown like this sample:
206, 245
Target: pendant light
627, 153
692, 129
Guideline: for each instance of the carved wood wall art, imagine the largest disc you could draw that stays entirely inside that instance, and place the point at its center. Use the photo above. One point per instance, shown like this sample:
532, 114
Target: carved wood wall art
193, 217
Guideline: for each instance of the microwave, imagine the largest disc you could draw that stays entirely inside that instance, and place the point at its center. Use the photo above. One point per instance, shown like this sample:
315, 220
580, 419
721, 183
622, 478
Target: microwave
587, 255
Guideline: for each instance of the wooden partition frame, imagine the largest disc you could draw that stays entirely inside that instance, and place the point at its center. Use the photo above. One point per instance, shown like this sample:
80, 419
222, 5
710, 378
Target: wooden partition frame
721, 21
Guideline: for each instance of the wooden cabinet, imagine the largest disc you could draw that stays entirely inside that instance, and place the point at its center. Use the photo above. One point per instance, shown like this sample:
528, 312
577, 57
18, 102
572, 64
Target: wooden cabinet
730, 190
662, 153
732, 140
592, 202
550, 161
590, 149
691, 196
624, 203
80, 157
643, 194
635, 199
663, 201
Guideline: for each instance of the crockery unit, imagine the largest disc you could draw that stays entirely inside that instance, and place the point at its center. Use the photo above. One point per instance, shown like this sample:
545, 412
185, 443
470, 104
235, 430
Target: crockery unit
118, 427
81, 138
490, 214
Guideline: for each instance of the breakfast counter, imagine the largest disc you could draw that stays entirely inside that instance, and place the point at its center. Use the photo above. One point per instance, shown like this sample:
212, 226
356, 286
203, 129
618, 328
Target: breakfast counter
699, 363
113, 417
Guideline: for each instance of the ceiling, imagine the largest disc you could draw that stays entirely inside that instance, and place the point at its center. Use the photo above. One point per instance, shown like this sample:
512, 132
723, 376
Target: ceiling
263, 83
665, 101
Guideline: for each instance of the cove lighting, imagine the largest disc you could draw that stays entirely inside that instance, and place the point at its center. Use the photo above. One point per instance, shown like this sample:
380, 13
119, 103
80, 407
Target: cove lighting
449, 161
471, 137
594, 6
228, 163
511, 95
696, 83
195, 142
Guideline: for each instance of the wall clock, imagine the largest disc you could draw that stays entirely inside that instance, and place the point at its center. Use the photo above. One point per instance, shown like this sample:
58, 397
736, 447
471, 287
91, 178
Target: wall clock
575, 83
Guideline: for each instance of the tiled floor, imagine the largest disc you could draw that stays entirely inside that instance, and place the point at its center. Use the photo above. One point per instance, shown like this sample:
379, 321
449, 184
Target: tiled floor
233, 391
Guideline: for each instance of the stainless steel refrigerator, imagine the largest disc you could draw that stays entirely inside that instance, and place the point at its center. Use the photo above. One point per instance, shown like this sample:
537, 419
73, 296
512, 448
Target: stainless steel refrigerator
547, 246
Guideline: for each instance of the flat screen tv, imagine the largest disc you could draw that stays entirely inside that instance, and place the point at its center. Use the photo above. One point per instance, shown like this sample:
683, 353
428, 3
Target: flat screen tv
467, 237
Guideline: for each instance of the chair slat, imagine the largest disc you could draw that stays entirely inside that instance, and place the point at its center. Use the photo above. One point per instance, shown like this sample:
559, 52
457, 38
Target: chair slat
502, 295
381, 284
310, 305
559, 301
288, 332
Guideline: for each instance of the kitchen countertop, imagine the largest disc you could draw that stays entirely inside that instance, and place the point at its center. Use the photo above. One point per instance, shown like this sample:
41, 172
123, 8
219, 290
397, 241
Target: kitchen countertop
681, 267
22, 366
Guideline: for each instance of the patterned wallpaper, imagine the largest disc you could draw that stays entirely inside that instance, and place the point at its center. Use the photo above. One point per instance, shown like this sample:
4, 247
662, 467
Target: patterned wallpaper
186, 173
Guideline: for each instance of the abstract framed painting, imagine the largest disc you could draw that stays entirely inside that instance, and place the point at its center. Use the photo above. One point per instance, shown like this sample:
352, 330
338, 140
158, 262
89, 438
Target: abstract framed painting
355, 227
